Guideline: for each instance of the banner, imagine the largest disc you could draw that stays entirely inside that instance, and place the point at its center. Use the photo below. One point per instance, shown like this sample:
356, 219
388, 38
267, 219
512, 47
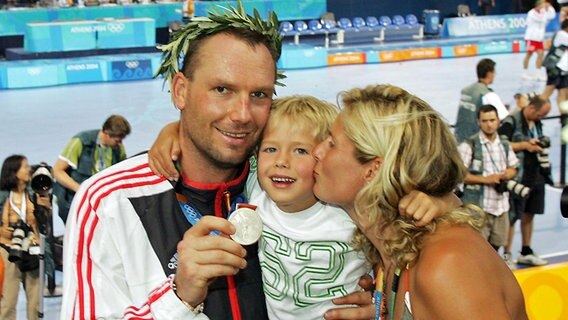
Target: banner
489, 25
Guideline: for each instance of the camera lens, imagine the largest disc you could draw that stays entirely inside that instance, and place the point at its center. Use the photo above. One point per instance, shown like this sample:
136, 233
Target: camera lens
41, 179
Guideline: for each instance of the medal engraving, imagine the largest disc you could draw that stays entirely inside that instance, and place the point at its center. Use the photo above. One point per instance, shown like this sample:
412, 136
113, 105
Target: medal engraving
248, 225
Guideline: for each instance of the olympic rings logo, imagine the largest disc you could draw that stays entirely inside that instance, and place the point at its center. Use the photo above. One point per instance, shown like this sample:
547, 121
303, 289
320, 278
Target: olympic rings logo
132, 64
115, 27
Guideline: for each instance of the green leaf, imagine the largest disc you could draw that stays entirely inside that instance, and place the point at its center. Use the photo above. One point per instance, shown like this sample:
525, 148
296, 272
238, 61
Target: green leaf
218, 19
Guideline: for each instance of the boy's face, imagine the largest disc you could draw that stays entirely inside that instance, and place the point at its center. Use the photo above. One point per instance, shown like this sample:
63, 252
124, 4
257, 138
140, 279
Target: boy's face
285, 165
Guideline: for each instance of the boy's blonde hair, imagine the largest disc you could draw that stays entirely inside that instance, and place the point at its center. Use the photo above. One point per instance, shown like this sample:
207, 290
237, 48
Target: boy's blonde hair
304, 112
418, 152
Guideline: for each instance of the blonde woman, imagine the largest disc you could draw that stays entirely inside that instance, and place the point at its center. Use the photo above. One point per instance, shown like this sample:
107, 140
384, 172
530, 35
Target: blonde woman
387, 143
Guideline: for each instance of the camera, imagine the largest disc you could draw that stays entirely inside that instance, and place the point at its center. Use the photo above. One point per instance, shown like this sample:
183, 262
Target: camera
513, 186
518, 188
501, 187
42, 180
544, 162
21, 239
543, 142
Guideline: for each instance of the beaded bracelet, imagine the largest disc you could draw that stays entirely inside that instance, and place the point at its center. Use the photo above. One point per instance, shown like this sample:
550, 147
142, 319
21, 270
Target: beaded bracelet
195, 310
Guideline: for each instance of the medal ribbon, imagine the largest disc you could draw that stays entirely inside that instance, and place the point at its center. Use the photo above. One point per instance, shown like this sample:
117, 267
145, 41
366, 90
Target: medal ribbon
191, 214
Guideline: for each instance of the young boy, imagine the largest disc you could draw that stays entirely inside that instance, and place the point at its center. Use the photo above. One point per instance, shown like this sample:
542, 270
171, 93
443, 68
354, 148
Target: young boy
305, 250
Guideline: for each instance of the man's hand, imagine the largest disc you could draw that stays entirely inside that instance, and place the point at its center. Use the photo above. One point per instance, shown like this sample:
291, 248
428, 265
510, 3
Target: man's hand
532, 146
203, 257
43, 201
509, 174
495, 178
359, 306
364, 309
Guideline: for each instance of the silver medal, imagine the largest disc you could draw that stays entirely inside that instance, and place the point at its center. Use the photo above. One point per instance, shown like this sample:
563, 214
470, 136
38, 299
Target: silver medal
248, 225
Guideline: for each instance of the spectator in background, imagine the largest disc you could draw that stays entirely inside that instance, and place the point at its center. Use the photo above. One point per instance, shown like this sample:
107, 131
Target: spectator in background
491, 163
87, 153
523, 128
537, 19
474, 96
486, 6
520, 6
17, 211
563, 10
556, 64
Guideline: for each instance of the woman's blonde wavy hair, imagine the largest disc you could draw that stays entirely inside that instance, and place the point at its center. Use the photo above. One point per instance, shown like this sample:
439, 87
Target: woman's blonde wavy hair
418, 152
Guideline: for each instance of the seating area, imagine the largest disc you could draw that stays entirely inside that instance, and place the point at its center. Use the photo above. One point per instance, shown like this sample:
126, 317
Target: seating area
357, 30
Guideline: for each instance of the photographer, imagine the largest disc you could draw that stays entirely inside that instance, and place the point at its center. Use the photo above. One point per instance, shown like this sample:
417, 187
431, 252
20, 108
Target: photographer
87, 153
524, 129
491, 164
19, 238
41, 184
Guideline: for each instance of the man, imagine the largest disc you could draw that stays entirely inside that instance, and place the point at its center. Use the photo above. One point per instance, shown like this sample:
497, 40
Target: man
472, 97
563, 10
556, 66
139, 246
537, 19
87, 153
491, 163
524, 129
486, 6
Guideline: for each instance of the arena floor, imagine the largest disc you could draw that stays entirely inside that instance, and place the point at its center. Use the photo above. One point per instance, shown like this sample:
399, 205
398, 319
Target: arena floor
39, 122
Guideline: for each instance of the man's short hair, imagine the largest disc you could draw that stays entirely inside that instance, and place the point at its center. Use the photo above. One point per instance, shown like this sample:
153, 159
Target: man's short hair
181, 53
253, 38
486, 108
484, 67
538, 102
116, 126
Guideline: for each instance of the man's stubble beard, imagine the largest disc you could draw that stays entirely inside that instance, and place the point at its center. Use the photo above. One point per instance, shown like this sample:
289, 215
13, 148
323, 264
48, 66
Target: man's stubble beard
217, 158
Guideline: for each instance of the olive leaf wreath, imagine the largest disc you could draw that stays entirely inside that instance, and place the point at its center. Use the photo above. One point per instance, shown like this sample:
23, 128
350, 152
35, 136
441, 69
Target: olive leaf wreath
217, 21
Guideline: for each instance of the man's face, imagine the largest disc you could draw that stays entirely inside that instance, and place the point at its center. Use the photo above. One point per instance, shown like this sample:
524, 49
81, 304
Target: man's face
488, 123
532, 114
491, 76
111, 141
225, 106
